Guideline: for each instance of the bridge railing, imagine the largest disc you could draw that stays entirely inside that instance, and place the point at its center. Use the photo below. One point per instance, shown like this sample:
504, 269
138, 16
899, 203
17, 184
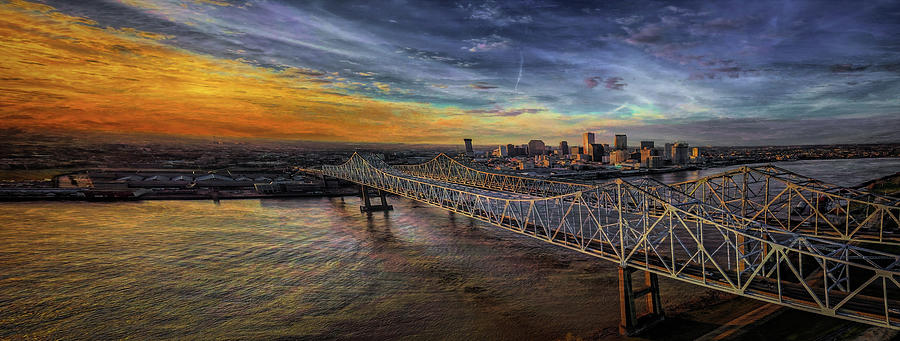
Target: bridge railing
793, 202
684, 238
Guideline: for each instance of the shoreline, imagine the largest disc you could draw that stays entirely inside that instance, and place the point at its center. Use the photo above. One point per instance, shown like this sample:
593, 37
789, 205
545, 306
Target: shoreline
26, 194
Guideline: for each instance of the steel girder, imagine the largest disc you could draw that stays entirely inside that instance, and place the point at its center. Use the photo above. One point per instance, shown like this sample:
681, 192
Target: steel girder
768, 193
684, 238
778, 197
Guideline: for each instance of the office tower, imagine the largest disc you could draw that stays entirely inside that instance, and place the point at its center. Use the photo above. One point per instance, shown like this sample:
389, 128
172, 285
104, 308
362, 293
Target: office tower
647, 144
504, 150
617, 156
634, 156
535, 147
596, 152
679, 153
620, 142
646, 155
695, 155
511, 149
654, 162
575, 150
587, 139
522, 150
667, 152
563, 147
469, 151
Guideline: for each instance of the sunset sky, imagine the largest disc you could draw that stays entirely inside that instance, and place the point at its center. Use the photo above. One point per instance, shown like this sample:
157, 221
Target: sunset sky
705, 72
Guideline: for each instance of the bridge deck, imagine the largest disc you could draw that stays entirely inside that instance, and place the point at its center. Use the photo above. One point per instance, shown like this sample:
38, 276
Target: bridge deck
656, 228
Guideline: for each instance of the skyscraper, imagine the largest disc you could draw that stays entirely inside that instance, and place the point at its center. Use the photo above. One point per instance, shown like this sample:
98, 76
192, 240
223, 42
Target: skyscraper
646, 155
504, 150
667, 152
587, 139
680, 153
620, 142
617, 156
563, 147
596, 152
470, 152
535, 147
511, 149
647, 144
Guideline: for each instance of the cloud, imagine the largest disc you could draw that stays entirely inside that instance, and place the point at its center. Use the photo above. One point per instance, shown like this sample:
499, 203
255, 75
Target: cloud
319, 68
612, 83
841, 68
629, 20
482, 86
505, 112
745, 131
648, 34
491, 12
489, 43
724, 24
17, 117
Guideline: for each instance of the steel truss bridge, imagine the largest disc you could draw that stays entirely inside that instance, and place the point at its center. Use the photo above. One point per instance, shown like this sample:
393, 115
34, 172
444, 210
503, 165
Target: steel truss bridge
759, 232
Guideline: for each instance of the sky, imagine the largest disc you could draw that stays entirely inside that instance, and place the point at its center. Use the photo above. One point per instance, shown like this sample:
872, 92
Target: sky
703, 72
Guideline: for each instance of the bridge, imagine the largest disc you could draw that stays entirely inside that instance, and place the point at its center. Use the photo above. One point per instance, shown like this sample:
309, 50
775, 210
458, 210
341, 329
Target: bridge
758, 232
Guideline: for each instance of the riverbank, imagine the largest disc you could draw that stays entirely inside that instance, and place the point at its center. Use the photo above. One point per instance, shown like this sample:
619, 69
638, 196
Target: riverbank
63, 194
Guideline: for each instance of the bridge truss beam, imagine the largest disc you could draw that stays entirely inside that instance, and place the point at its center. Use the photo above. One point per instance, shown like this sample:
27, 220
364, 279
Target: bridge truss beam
778, 197
684, 239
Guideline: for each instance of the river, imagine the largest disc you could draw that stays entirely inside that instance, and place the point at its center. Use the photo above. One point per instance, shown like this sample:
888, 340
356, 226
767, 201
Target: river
313, 268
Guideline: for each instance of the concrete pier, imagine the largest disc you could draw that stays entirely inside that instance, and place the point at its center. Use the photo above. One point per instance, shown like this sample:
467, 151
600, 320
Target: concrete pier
630, 323
367, 202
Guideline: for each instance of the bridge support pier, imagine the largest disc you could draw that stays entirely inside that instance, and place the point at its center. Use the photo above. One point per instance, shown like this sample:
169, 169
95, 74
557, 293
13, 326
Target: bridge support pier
367, 202
630, 323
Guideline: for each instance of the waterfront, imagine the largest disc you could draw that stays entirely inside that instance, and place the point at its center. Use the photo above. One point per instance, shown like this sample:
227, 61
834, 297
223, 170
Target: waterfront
313, 268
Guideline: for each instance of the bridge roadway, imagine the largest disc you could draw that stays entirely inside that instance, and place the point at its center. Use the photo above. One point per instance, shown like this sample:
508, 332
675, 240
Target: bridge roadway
685, 238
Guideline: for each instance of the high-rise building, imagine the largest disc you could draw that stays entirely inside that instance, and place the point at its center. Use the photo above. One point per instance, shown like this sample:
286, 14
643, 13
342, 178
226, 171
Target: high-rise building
511, 149
596, 152
654, 162
695, 155
575, 150
617, 156
535, 147
469, 151
680, 153
563, 147
587, 139
646, 155
504, 150
621, 142
647, 144
667, 152
522, 150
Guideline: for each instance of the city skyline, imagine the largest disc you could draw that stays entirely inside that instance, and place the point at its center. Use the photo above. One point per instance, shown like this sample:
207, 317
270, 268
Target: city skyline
712, 74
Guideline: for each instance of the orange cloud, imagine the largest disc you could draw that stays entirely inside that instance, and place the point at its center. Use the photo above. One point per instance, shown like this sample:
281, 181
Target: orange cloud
66, 73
